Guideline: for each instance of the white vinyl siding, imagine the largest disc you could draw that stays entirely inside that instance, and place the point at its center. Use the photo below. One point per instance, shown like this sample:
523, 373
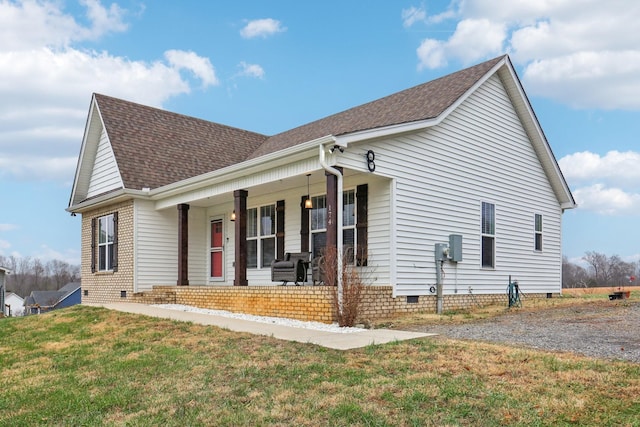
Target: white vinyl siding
156, 246
480, 152
105, 175
199, 233
377, 271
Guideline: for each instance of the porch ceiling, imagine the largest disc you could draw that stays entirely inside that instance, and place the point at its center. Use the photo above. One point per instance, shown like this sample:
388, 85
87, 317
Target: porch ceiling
296, 185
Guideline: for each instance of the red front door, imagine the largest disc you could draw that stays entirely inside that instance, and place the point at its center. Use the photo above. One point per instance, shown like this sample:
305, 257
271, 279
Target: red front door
217, 249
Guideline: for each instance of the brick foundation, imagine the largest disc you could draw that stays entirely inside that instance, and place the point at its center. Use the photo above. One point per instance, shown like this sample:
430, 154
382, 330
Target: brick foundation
309, 303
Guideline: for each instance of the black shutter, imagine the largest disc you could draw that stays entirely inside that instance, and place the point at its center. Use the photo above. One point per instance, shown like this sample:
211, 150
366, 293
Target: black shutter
114, 264
362, 196
93, 244
304, 226
280, 229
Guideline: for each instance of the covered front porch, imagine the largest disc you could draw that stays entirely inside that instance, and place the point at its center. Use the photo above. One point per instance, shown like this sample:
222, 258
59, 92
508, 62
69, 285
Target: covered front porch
229, 231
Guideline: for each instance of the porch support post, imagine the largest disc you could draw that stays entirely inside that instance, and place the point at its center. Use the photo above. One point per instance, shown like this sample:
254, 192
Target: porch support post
183, 244
332, 216
240, 206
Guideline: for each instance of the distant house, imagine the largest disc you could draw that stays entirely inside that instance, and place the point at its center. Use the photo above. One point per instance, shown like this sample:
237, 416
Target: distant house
453, 176
13, 305
4, 272
42, 301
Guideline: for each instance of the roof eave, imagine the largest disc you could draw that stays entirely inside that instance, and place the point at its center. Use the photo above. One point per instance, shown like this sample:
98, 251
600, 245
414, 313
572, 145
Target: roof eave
109, 198
245, 168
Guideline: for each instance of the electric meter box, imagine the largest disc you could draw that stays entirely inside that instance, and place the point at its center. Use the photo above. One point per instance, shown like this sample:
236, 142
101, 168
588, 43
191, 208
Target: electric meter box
455, 247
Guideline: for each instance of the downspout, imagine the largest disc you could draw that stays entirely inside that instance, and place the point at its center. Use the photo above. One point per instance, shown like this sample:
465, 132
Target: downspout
338, 175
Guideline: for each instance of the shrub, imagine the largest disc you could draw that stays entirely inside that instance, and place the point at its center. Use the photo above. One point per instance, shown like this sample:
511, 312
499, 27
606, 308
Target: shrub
346, 306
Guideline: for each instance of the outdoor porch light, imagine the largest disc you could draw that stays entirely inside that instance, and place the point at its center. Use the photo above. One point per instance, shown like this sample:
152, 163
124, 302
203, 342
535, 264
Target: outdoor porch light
307, 203
233, 215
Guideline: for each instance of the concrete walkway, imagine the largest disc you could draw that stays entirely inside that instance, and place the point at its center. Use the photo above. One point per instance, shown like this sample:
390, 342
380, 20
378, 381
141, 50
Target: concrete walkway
335, 340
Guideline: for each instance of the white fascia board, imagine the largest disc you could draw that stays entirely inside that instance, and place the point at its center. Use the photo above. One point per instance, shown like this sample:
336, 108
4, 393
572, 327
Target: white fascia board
80, 161
396, 129
345, 140
108, 199
93, 119
240, 169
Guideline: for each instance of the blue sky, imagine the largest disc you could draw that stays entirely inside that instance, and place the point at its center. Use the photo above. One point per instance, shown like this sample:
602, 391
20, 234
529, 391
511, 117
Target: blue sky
270, 66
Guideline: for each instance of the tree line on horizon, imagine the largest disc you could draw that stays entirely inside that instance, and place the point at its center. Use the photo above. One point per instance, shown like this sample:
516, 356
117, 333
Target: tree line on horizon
600, 271
32, 274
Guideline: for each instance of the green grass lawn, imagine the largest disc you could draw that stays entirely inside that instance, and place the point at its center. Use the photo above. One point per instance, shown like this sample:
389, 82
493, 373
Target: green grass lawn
90, 366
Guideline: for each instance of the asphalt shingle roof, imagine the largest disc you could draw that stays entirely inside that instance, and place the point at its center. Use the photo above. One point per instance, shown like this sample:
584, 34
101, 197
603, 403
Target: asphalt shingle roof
425, 101
51, 298
154, 147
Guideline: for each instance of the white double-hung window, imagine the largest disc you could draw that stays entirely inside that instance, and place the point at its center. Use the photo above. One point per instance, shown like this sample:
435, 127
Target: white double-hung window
106, 239
319, 224
261, 236
488, 235
538, 232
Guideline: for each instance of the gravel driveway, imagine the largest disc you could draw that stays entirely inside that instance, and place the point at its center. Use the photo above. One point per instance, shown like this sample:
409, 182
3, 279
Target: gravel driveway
606, 329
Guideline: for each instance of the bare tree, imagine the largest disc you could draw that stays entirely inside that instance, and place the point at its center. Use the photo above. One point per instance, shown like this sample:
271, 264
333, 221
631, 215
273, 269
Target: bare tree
31, 274
573, 275
60, 273
609, 271
599, 265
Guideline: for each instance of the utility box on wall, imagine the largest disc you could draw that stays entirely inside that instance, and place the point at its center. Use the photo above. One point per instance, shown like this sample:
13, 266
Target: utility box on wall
455, 247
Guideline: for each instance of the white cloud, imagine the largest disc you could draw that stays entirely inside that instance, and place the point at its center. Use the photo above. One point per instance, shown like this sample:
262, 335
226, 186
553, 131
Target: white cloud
412, 15
33, 24
8, 227
607, 201
251, 70
199, 66
580, 53
618, 167
604, 184
38, 168
104, 20
605, 80
261, 28
432, 54
476, 38
46, 82
473, 39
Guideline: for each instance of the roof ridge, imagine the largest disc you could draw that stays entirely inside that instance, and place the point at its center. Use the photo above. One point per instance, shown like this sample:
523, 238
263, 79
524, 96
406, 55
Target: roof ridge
398, 107
173, 113
154, 147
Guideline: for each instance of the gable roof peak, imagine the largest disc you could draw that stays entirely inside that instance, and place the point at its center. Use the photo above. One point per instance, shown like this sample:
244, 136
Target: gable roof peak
155, 147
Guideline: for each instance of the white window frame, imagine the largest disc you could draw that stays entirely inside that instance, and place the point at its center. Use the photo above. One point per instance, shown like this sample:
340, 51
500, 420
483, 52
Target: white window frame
262, 234
106, 241
488, 233
537, 233
349, 220
320, 224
